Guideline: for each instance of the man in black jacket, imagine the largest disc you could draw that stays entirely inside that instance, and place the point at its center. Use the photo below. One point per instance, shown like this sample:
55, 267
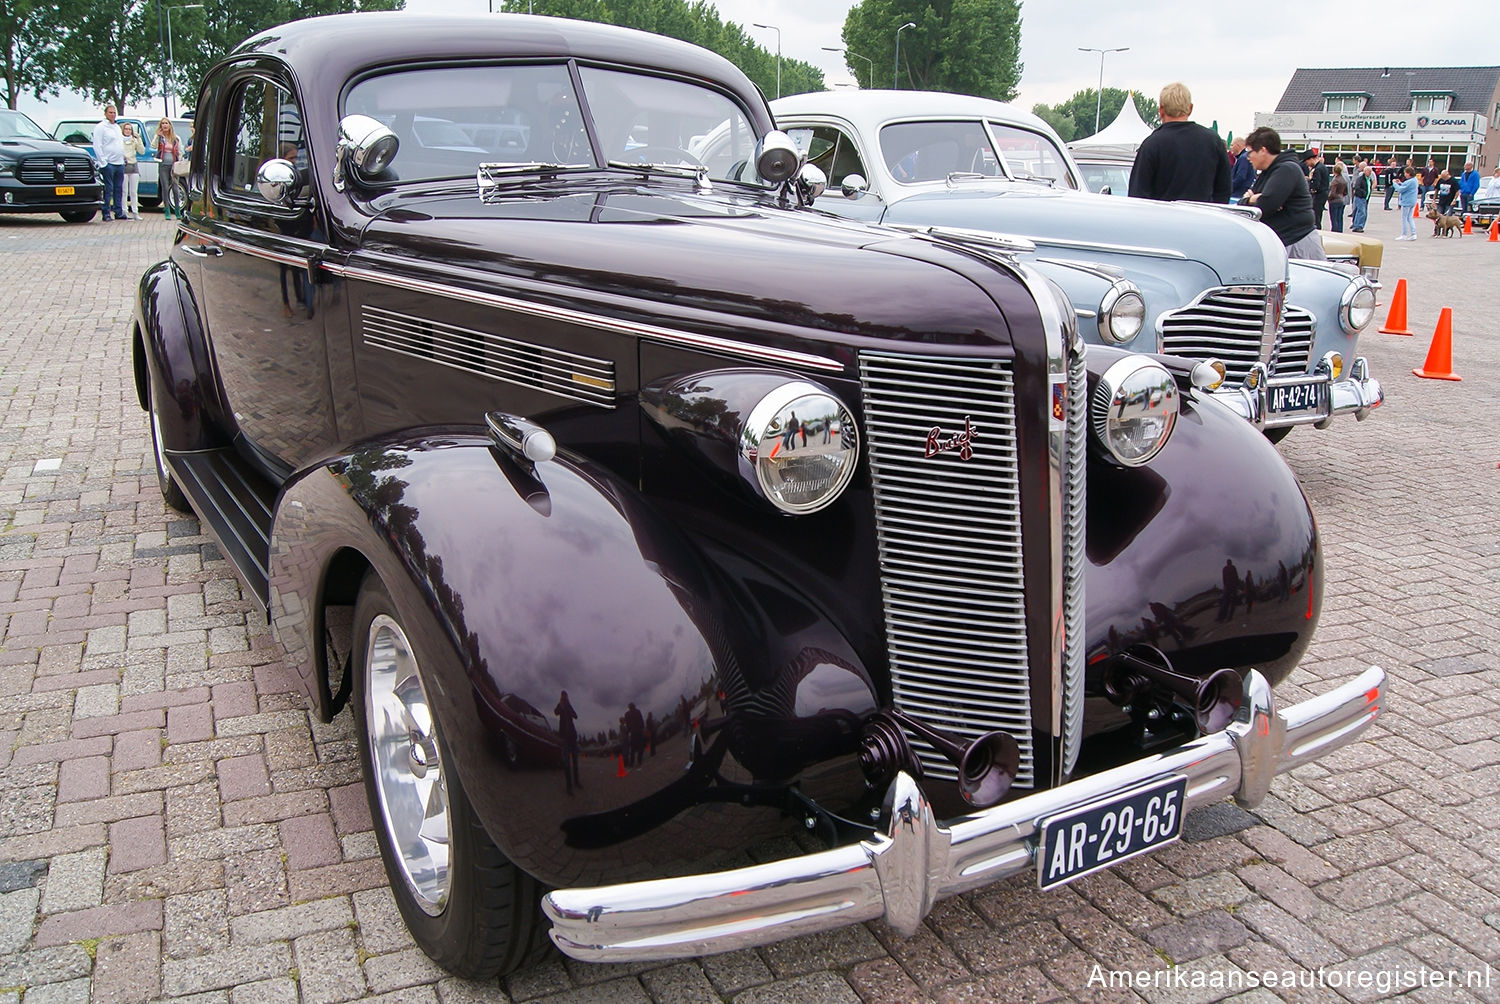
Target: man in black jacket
1181, 159
1283, 196
1318, 180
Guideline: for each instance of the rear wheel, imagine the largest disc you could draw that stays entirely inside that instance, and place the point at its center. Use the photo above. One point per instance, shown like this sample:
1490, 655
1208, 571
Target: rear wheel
78, 215
467, 906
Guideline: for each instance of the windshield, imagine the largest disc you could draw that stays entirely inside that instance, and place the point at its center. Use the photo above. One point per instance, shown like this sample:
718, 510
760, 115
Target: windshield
74, 131
918, 152
449, 120
1115, 176
15, 125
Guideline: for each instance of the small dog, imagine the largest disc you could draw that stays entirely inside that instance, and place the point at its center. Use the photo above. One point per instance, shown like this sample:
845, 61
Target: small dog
1447, 225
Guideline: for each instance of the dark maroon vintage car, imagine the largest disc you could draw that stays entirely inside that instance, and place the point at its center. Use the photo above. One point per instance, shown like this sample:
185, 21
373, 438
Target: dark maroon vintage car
542, 440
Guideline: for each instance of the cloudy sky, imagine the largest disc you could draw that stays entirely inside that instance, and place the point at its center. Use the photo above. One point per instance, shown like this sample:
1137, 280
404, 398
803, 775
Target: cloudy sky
1236, 59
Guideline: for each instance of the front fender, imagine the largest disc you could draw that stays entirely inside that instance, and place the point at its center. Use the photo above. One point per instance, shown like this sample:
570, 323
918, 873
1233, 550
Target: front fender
520, 583
1209, 552
1319, 288
171, 354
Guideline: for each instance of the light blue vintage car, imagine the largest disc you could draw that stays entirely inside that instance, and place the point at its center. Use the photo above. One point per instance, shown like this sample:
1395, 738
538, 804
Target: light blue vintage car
1207, 282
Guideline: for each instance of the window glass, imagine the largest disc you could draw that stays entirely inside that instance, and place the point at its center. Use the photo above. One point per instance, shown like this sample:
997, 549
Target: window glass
930, 151
645, 119
1343, 103
449, 120
1031, 154
265, 123
15, 125
831, 150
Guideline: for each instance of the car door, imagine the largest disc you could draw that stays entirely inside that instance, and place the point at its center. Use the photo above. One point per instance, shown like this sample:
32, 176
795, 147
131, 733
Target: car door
258, 263
834, 151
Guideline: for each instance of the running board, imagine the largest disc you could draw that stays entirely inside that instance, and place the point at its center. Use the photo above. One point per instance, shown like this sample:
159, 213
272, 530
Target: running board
235, 504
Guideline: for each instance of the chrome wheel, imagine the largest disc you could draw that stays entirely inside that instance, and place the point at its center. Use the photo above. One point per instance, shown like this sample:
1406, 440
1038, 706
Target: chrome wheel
407, 763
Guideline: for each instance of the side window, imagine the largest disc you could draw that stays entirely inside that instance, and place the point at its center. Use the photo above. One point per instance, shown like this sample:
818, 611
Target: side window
264, 123
830, 150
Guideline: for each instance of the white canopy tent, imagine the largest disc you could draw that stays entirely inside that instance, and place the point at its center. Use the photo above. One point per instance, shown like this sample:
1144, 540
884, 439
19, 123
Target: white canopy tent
1121, 138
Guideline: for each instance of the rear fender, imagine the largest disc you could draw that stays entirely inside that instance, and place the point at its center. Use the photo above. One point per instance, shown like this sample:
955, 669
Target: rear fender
170, 352
519, 583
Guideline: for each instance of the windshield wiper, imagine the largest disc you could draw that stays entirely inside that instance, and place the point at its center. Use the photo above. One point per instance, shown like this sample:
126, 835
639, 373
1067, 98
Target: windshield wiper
697, 172
493, 174
1036, 179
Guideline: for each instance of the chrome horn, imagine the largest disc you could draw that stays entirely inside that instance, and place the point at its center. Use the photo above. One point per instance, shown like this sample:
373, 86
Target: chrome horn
986, 767
1142, 670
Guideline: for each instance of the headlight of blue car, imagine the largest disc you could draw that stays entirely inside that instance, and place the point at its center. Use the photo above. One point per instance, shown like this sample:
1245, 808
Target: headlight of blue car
1357, 307
1122, 313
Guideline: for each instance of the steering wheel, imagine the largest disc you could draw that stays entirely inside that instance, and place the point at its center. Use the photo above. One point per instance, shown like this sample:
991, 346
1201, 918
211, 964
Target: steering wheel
662, 155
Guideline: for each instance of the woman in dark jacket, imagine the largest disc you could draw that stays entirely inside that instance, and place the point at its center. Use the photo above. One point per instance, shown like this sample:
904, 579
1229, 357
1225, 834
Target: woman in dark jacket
1282, 195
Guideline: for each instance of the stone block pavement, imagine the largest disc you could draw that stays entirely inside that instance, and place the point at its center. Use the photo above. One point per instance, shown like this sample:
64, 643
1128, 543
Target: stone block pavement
174, 826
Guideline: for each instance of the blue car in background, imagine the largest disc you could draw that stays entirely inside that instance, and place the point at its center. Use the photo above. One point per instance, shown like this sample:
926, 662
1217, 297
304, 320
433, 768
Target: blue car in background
80, 132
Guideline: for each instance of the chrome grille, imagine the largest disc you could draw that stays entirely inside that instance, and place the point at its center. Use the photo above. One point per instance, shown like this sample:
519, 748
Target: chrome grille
1074, 526
949, 534
484, 353
1228, 324
43, 171
1293, 353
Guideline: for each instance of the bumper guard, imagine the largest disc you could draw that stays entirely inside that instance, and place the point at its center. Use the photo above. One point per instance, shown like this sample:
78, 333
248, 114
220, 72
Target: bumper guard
901, 873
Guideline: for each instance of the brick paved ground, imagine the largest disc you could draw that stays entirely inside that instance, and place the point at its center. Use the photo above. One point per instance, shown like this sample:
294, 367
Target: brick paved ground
174, 826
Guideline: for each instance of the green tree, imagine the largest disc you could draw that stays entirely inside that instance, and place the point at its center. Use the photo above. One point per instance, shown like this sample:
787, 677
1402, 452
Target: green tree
28, 49
697, 22
968, 46
109, 49
1079, 110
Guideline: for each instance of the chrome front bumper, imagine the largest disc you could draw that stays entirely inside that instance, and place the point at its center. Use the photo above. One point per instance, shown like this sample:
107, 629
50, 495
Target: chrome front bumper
900, 874
1356, 394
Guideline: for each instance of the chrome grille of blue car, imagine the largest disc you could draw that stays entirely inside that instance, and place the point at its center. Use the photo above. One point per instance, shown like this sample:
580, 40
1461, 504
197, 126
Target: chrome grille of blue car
949, 534
1228, 324
1293, 353
43, 171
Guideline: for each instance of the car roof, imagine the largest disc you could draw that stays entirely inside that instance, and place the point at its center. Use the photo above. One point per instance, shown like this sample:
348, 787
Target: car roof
868, 109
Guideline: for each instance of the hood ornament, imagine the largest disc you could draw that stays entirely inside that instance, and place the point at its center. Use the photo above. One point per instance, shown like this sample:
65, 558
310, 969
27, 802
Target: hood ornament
962, 442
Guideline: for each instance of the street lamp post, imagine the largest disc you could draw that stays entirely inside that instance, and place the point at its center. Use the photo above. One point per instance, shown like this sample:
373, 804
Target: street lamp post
896, 69
185, 6
837, 48
1099, 103
777, 30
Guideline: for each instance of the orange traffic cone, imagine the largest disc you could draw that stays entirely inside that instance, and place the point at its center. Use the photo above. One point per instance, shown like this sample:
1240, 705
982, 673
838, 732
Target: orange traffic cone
1416, 211
1468, 224
1439, 364
1495, 230
621, 771
1395, 321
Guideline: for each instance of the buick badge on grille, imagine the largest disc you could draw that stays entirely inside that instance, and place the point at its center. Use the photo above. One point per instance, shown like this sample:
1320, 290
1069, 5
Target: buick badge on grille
963, 442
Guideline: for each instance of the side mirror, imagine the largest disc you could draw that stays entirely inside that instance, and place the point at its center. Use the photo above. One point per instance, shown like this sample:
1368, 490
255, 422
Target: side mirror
277, 182
853, 186
365, 148
1106, 190
776, 157
811, 183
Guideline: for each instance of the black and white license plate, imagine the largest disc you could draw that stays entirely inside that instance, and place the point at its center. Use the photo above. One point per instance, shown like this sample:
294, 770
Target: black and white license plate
1297, 398
1110, 830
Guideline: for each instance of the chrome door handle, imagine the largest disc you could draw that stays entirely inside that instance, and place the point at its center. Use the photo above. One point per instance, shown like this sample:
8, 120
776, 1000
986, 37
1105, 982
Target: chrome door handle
204, 250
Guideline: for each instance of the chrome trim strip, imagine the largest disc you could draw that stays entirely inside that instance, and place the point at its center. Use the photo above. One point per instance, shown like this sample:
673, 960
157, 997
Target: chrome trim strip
1043, 241
230, 244
709, 343
899, 873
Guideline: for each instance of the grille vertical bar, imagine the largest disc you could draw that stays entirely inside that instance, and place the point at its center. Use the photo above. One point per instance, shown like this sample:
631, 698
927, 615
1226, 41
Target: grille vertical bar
1075, 518
1293, 355
1228, 324
949, 533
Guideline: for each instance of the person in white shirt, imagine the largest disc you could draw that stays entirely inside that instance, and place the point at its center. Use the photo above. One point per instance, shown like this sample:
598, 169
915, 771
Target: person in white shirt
109, 152
1491, 187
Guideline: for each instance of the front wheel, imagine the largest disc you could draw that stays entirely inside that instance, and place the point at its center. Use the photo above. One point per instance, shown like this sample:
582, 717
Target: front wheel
171, 492
78, 215
1279, 433
466, 905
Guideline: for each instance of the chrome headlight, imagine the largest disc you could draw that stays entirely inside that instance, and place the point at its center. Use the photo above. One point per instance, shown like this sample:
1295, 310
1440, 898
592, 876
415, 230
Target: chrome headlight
1134, 409
799, 447
1357, 307
1122, 313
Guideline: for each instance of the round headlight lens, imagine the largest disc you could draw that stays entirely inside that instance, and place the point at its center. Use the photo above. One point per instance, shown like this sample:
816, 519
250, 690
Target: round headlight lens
1359, 308
799, 447
1122, 313
1134, 409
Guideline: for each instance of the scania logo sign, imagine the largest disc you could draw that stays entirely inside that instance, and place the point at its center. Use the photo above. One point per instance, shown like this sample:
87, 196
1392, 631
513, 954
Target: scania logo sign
1421, 121
962, 442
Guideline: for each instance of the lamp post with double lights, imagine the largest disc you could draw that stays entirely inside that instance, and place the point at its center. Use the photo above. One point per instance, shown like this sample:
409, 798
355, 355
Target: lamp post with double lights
839, 48
772, 27
168, 78
896, 69
1099, 103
